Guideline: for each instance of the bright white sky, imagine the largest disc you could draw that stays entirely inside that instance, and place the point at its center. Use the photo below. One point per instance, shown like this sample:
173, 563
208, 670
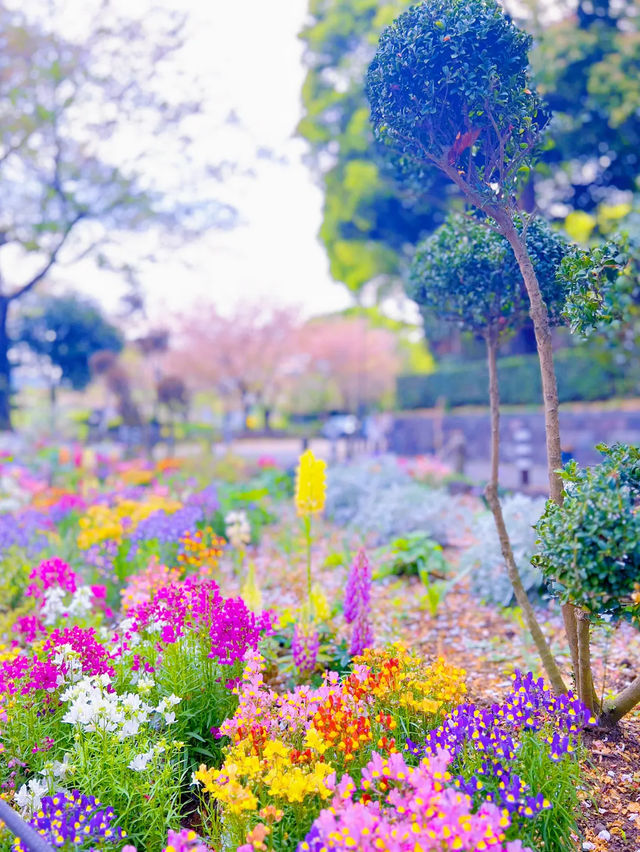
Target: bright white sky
248, 55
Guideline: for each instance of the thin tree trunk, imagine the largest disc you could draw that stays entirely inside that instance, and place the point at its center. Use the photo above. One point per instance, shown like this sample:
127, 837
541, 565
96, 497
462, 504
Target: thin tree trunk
5, 368
584, 678
550, 665
540, 318
621, 704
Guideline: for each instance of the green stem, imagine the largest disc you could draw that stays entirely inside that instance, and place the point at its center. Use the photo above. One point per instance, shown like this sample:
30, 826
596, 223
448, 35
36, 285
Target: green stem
307, 534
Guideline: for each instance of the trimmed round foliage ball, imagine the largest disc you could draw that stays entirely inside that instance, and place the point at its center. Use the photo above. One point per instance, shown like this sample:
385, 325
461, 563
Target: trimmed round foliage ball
467, 274
589, 548
449, 81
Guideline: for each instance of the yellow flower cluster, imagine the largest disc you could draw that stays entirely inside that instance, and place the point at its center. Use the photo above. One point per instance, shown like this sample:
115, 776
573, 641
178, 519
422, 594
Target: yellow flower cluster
402, 677
311, 484
107, 522
274, 773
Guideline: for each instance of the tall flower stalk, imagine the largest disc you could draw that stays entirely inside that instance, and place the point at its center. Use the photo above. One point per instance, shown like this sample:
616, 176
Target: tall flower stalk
357, 604
310, 495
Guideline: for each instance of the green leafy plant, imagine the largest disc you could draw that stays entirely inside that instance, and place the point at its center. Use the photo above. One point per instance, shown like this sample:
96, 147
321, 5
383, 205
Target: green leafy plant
589, 549
416, 554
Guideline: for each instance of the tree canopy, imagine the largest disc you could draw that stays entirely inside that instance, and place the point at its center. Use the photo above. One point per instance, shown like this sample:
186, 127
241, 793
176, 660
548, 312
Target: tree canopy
466, 274
68, 330
369, 224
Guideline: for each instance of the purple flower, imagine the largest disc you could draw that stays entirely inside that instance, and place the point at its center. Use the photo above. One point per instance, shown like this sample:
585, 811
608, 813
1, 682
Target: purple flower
357, 595
305, 648
357, 604
73, 818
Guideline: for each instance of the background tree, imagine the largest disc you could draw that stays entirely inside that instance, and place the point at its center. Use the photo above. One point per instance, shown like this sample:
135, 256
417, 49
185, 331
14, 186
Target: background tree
106, 365
66, 331
247, 357
346, 364
586, 66
369, 224
468, 276
71, 105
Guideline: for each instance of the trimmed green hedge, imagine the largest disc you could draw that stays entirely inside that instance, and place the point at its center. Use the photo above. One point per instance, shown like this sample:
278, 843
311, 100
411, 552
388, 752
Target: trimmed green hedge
581, 377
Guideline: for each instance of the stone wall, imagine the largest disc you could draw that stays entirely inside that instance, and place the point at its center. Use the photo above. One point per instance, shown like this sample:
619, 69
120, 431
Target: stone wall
421, 432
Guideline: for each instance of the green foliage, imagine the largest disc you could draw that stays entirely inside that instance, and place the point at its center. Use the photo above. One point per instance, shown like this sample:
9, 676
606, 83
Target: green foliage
591, 277
583, 374
589, 548
415, 554
367, 222
587, 70
68, 330
449, 86
467, 274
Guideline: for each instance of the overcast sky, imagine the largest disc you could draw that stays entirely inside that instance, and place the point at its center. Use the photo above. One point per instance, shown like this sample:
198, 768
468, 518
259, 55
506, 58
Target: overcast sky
249, 57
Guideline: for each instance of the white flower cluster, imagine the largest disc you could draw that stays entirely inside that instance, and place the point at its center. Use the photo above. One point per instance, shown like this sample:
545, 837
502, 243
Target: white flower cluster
94, 708
12, 495
29, 796
55, 606
238, 529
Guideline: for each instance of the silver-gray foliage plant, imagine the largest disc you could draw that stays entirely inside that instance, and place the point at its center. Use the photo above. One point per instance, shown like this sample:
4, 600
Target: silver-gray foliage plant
484, 561
377, 498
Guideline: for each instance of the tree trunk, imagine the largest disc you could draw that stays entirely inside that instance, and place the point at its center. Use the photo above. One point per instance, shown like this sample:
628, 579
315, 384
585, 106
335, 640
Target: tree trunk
5, 368
267, 419
584, 678
550, 666
53, 405
621, 704
540, 317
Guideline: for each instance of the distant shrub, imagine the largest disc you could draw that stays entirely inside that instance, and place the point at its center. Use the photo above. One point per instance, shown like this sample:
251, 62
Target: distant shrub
378, 498
581, 377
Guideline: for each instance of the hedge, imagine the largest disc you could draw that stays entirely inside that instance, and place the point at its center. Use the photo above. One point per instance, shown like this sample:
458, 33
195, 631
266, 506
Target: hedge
581, 377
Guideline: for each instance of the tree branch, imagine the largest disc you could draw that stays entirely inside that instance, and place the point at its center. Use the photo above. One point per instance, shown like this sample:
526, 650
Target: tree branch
50, 262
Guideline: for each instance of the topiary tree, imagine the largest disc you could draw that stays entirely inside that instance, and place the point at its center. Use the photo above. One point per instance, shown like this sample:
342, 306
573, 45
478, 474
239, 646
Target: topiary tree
468, 275
449, 89
590, 550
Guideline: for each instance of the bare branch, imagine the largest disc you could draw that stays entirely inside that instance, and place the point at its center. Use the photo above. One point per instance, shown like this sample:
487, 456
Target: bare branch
50, 261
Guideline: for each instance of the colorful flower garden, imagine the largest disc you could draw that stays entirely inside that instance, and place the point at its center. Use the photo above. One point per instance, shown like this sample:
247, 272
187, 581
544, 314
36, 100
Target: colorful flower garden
203, 660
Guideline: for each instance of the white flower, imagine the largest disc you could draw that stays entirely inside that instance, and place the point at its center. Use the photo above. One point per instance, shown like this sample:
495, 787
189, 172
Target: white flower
140, 761
81, 602
29, 796
53, 606
238, 528
62, 768
169, 718
145, 685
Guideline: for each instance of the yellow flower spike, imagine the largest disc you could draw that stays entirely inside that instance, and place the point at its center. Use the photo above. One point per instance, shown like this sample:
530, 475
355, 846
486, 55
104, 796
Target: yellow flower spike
311, 484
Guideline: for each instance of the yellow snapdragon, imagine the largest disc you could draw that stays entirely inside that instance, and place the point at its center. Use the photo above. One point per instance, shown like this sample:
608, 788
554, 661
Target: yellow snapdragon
311, 484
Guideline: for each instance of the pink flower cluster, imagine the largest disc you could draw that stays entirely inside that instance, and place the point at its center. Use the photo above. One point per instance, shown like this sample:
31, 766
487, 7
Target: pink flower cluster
50, 573
401, 808
195, 605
